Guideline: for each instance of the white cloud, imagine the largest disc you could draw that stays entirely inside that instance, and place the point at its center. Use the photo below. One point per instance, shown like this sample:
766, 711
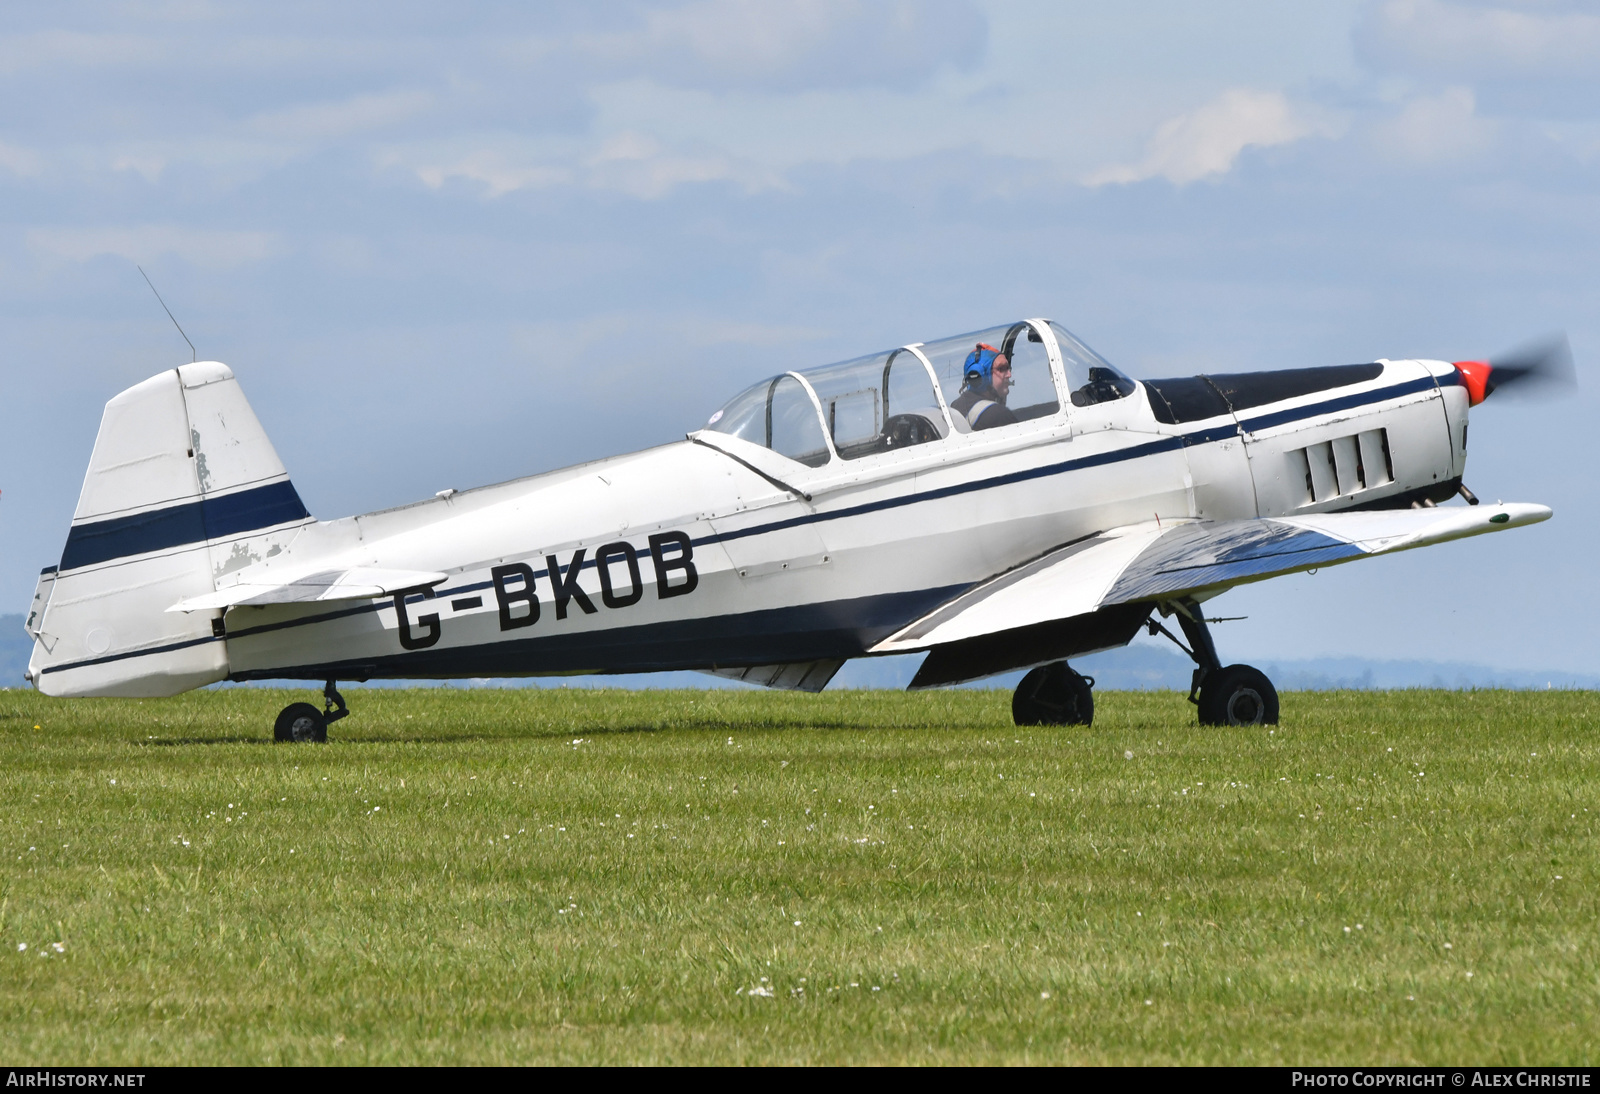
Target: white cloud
1487, 39
491, 168
639, 165
198, 246
338, 119
628, 162
147, 166
1437, 129
1207, 141
19, 161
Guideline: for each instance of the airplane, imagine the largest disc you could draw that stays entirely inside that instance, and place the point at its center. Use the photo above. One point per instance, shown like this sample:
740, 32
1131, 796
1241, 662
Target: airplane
1000, 500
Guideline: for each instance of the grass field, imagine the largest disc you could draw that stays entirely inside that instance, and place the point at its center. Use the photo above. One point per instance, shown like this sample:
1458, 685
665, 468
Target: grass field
742, 877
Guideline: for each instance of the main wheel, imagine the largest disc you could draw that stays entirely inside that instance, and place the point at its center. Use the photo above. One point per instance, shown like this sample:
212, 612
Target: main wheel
300, 722
1053, 695
1238, 696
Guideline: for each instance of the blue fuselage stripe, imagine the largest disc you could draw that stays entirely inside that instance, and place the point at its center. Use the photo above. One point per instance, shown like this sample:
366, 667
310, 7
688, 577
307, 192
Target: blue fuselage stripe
180, 525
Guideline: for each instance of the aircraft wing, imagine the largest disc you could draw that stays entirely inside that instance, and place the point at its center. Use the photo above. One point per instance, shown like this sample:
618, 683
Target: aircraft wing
1151, 562
355, 584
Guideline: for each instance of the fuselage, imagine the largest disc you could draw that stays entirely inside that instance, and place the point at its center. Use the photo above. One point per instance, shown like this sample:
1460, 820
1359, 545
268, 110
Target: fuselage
710, 564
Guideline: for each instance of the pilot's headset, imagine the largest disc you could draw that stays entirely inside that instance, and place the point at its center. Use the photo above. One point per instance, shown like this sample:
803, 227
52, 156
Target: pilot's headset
978, 372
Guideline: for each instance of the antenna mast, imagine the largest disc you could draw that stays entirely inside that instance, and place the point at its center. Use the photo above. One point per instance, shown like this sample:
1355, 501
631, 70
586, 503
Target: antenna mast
193, 356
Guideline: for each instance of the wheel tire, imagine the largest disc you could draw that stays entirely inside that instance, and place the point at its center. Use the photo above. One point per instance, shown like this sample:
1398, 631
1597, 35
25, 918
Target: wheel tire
300, 722
1053, 695
1238, 696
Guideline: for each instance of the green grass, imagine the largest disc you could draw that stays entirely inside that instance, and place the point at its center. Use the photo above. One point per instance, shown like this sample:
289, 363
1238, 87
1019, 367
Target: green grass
602, 876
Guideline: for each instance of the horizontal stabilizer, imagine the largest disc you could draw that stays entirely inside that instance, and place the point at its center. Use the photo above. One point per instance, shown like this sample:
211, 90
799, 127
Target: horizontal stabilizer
358, 584
799, 676
1149, 563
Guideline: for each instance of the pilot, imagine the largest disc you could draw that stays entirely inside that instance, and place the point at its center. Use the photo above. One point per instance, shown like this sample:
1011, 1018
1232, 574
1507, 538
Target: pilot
987, 381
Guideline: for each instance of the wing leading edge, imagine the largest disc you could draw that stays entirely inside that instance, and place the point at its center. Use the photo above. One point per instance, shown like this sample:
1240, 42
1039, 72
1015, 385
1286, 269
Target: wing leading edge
1086, 595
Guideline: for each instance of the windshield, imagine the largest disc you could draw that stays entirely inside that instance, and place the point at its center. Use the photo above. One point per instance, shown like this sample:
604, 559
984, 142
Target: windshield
776, 414
1090, 378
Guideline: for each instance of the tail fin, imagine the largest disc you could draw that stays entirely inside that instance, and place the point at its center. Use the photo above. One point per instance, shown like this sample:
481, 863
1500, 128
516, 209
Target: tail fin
183, 487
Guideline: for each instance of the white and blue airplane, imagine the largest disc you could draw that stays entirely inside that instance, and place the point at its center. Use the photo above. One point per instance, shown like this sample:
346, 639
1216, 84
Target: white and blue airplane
1001, 500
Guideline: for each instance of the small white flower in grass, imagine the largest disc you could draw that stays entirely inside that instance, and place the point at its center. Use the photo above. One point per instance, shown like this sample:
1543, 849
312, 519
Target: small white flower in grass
1469, 976
1128, 755
113, 782
1448, 946
1347, 930
797, 923
1149, 1002
59, 947
1044, 995
876, 988
760, 989
21, 946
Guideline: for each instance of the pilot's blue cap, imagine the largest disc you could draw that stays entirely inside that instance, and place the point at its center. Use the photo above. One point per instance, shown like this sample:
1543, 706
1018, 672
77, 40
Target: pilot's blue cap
979, 369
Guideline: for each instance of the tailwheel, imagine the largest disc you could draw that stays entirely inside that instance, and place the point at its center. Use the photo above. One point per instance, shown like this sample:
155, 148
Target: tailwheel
304, 722
300, 722
1238, 695
1054, 695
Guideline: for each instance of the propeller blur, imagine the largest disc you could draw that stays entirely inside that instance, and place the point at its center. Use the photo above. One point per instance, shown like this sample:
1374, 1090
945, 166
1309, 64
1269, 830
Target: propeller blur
1536, 368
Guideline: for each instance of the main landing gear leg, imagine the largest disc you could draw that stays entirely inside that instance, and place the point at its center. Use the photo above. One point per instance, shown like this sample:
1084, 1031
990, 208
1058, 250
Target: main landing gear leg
304, 722
1236, 695
1053, 695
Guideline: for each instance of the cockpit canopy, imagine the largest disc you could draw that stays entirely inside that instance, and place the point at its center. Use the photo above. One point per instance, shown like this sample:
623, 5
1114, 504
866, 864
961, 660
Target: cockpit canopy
1001, 378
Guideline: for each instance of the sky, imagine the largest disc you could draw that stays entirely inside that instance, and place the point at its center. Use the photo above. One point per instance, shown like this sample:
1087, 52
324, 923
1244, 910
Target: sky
444, 246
